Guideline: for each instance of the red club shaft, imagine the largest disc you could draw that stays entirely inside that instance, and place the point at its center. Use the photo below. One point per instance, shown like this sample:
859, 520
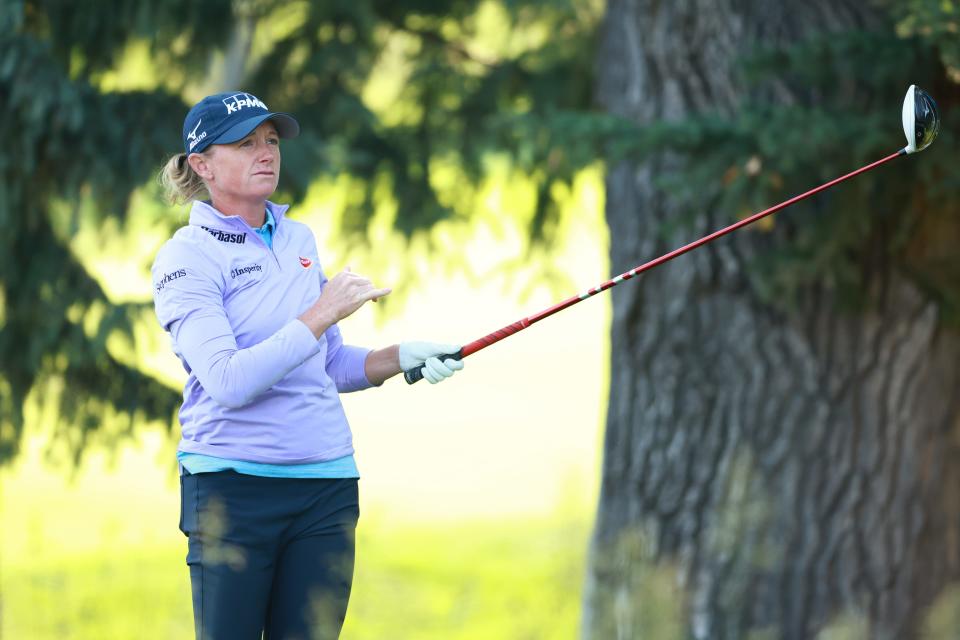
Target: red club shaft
519, 325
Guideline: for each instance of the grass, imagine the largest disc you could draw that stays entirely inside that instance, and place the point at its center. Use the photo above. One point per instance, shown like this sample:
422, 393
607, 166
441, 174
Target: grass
516, 580
99, 557
135, 594
507, 579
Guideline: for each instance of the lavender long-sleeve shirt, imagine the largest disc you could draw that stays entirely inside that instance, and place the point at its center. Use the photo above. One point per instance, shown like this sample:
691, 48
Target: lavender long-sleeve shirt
260, 386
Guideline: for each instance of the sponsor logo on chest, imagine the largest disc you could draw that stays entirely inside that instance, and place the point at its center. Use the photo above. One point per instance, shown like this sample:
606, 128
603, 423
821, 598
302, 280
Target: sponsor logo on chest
226, 236
236, 272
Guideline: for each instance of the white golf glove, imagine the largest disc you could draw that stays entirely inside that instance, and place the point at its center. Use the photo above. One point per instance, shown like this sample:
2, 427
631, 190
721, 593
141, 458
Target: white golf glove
414, 354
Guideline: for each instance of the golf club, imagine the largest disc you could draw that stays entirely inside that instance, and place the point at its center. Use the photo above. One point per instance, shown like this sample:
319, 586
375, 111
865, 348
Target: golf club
921, 123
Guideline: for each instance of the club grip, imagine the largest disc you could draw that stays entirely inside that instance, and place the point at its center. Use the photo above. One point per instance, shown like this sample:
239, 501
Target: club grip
412, 376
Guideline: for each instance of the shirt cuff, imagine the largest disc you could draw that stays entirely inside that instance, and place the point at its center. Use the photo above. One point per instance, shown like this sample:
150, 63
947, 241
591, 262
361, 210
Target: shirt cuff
354, 362
301, 339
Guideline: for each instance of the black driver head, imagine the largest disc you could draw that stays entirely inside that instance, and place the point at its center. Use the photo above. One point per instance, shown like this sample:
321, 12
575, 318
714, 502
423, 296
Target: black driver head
921, 120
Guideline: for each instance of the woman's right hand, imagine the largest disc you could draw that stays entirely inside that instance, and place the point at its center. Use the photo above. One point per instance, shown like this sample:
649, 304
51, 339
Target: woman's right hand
343, 294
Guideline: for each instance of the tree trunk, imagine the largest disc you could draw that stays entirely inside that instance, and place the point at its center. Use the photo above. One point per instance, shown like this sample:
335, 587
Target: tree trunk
764, 476
227, 69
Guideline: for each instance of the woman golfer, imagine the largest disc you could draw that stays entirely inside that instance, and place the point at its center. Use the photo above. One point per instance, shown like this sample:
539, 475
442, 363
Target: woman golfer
268, 480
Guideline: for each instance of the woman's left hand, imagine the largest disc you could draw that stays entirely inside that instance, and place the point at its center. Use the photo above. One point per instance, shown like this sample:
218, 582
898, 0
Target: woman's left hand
440, 361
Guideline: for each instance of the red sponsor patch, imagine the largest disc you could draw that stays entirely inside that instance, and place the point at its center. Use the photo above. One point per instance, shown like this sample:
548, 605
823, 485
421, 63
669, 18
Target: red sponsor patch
305, 262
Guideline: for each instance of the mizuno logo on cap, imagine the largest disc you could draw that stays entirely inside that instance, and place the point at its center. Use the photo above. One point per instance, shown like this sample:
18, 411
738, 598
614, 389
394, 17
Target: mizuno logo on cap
240, 100
192, 136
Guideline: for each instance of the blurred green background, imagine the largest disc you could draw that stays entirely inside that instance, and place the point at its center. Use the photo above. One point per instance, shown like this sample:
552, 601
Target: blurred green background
478, 158
473, 527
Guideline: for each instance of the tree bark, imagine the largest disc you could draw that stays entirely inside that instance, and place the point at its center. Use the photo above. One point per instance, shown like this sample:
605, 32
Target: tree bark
764, 475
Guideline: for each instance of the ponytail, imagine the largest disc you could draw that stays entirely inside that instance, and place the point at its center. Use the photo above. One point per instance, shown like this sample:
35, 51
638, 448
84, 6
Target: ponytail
180, 182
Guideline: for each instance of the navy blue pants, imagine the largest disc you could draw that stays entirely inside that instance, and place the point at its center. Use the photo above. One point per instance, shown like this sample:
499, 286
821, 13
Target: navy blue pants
270, 556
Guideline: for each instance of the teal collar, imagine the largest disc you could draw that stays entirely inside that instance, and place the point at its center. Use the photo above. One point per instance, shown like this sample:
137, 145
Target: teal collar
266, 231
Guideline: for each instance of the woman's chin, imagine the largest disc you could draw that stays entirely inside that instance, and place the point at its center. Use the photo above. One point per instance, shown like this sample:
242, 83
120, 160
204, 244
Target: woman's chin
263, 193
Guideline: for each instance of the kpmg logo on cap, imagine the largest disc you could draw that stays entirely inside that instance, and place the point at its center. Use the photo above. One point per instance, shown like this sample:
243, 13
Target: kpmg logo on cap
194, 138
240, 100
227, 117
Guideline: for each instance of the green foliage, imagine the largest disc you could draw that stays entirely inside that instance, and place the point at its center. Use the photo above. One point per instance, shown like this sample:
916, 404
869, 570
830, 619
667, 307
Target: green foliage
86, 40
68, 142
848, 90
467, 82
72, 143
935, 21
463, 104
850, 240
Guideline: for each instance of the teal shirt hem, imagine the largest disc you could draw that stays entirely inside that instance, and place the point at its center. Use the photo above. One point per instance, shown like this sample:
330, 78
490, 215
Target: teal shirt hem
345, 467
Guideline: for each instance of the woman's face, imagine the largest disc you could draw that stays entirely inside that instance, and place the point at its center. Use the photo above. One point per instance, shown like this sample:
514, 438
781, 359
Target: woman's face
248, 169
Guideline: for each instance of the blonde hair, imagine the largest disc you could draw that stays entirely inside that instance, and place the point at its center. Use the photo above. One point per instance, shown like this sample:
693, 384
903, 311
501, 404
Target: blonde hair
180, 182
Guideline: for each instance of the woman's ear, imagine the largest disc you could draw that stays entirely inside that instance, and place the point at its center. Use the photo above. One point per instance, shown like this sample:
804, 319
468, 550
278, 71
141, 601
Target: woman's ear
200, 165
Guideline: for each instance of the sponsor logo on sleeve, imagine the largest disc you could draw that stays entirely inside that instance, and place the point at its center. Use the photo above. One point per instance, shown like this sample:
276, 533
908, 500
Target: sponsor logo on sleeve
169, 277
305, 262
226, 236
238, 101
242, 271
